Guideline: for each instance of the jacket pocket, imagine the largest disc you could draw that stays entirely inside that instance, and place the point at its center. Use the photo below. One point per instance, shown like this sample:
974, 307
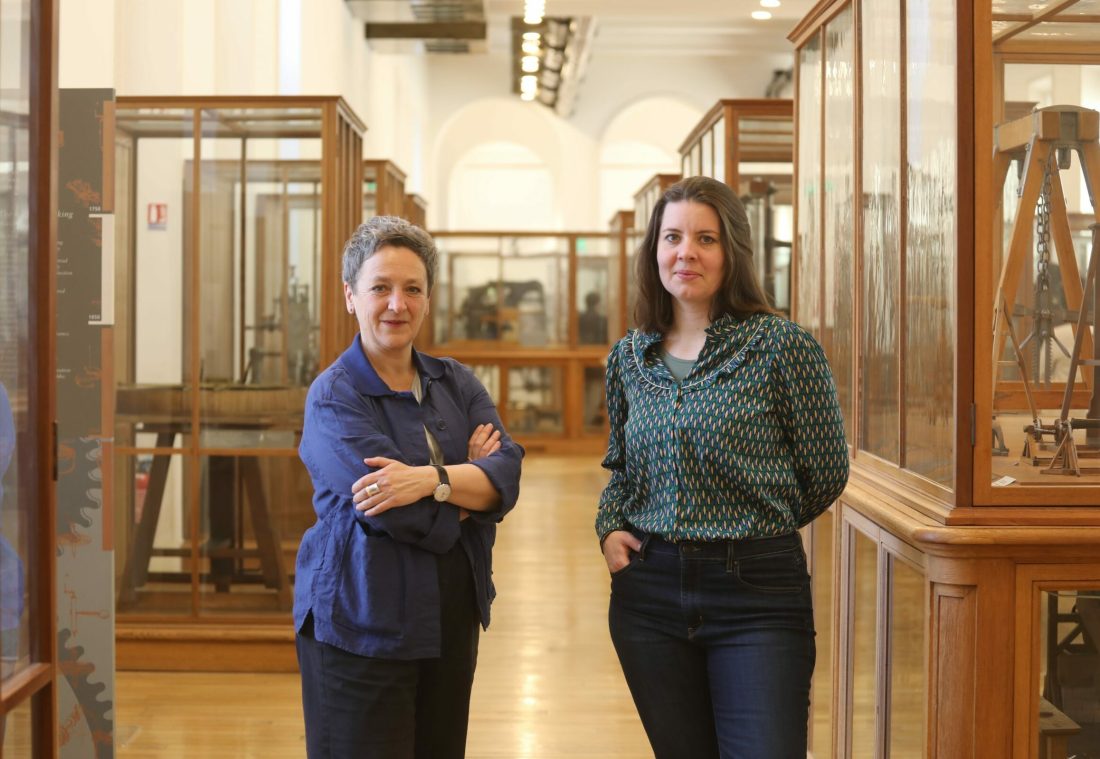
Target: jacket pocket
372, 593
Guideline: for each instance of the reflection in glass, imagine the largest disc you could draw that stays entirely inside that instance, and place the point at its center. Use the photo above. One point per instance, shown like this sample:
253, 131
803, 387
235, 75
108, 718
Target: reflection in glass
930, 240
1069, 673
534, 400
823, 570
880, 339
808, 253
839, 199
908, 674
863, 594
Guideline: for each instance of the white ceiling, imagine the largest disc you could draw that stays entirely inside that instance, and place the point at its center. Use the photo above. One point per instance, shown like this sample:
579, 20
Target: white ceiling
642, 27
676, 27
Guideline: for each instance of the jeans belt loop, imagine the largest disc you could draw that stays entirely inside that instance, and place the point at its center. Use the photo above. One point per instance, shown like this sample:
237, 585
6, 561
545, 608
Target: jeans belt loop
729, 557
644, 546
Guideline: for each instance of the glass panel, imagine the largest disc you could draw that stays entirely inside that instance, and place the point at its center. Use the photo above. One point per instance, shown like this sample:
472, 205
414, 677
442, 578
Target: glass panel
595, 401
707, 169
19, 498
863, 602
489, 376
246, 501
510, 290
1069, 673
597, 269
633, 241
531, 305
153, 550
908, 641
719, 131
154, 368
880, 413
370, 190
535, 400
808, 255
823, 571
931, 245
1043, 306
839, 199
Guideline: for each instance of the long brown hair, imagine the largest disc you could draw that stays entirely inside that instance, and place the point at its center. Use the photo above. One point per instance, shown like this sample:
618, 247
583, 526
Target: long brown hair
739, 294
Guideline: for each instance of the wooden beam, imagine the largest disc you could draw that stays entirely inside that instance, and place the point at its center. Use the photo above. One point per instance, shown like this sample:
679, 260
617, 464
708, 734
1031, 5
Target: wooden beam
427, 30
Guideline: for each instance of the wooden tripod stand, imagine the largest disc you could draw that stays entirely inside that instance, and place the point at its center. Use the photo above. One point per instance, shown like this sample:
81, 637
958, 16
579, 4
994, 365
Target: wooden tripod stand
1042, 143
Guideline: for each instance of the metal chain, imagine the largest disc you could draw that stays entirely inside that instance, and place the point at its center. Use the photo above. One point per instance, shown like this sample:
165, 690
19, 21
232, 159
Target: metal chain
1042, 314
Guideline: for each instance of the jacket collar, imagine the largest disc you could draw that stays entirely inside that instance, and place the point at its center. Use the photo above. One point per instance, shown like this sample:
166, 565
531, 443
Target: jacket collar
366, 379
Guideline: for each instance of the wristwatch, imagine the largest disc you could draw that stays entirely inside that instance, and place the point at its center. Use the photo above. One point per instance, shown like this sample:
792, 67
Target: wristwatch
443, 490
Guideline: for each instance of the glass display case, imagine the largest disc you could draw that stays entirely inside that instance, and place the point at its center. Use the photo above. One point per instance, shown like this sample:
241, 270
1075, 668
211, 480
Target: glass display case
646, 197
416, 210
383, 189
233, 214
543, 310
749, 145
29, 674
944, 258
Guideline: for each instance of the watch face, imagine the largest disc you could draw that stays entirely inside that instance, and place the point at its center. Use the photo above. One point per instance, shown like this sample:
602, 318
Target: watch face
442, 491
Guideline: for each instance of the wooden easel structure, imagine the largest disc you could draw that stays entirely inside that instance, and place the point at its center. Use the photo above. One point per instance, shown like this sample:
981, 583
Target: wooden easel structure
1042, 143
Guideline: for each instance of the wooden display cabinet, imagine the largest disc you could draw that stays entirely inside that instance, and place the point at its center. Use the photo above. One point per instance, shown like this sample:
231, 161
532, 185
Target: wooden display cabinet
535, 313
228, 303
416, 210
940, 260
648, 195
383, 189
749, 145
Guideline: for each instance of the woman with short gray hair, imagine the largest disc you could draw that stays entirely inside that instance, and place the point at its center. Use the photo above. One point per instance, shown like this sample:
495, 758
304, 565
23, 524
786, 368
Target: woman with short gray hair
411, 471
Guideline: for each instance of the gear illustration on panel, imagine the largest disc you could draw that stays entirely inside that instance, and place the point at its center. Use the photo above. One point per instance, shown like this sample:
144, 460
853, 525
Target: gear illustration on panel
87, 693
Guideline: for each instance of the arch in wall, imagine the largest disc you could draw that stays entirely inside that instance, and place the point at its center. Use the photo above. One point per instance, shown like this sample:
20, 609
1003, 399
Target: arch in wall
640, 140
501, 185
494, 122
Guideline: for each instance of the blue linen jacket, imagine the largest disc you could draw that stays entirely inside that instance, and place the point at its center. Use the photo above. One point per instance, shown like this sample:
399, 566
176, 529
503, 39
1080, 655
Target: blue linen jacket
371, 582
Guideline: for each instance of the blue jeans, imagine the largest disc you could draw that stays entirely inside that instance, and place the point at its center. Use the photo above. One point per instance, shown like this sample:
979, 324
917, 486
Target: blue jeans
716, 641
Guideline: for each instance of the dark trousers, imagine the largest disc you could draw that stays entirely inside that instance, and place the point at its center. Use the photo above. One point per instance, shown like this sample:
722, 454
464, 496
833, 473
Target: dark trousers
370, 708
717, 644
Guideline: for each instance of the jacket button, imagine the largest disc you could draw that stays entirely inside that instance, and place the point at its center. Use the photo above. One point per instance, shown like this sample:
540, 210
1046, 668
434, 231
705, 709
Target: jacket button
441, 424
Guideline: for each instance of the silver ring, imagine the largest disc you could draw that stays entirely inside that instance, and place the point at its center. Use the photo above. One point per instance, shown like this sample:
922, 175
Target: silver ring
373, 489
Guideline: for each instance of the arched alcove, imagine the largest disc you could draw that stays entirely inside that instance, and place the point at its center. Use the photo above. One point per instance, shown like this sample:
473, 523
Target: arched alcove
501, 185
639, 141
487, 133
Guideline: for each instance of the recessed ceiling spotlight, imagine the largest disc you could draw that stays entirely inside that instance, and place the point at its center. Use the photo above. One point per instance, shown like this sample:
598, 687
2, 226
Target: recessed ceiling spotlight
761, 15
769, 3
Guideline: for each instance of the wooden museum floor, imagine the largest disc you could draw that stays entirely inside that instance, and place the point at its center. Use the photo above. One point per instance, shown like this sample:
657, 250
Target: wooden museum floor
548, 683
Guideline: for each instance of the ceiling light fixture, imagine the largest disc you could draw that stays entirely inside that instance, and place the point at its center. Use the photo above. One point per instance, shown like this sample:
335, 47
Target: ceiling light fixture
533, 11
761, 15
549, 60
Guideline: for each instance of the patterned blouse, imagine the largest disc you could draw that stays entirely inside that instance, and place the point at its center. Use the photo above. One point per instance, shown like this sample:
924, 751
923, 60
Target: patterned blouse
750, 444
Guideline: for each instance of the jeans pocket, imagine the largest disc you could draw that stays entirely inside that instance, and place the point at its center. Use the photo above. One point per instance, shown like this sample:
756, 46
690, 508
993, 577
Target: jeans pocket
635, 559
781, 571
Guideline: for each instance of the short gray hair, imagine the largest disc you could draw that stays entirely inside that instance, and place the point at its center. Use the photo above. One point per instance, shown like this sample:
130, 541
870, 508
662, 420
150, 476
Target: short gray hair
388, 231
